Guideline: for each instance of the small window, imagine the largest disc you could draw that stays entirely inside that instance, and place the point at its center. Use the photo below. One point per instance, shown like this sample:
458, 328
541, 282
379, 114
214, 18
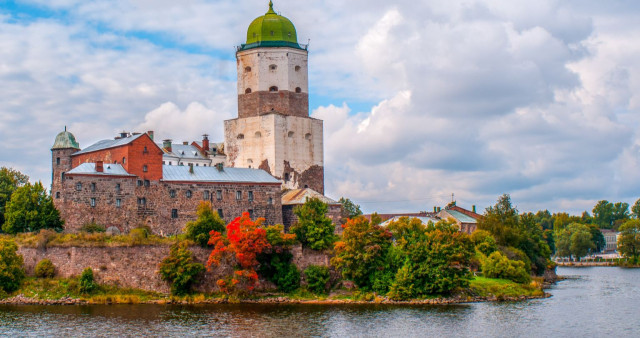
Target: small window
258, 134
250, 213
205, 195
147, 183
172, 193
273, 89
118, 188
145, 151
219, 195
240, 137
290, 134
93, 187
79, 187
250, 196
306, 186
174, 213
140, 183
189, 193
62, 176
286, 177
273, 67
58, 161
270, 200
298, 90
58, 194
118, 203
247, 91
297, 68
142, 201
307, 136
220, 213
93, 202
163, 162
145, 168
248, 69
238, 195
124, 160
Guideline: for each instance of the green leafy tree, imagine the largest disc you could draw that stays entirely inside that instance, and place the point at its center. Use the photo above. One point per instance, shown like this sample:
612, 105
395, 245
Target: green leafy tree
629, 241
544, 219
498, 265
10, 180
635, 209
575, 241
586, 218
317, 278
278, 269
349, 209
484, 242
208, 220
501, 220
603, 214
362, 251
45, 269
314, 229
86, 282
11, 271
31, 209
180, 269
597, 237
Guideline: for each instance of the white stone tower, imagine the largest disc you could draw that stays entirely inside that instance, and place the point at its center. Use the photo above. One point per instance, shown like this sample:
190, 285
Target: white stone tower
273, 130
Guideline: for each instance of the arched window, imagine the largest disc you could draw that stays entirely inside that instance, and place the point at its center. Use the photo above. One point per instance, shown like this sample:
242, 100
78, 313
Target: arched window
273, 67
307, 136
290, 134
247, 91
298, 90
240, 136
247, 69
297, 68
258, 134
273, 89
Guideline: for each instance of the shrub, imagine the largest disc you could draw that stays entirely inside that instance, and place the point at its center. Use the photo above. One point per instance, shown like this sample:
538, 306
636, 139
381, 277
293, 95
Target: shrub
140, 233
179, 269
86, 282
92, 228
314, 229
11, 271
317, 278
498, 265
45, 269
200, 229
277, 268
484, 242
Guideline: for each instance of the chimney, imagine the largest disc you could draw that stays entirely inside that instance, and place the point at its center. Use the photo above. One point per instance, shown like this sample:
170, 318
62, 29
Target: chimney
150, 133
435, 209
220, 166
205, 144
166, 144
190, 168
185, 143
473, 208
124, 134
439, 209
100, 166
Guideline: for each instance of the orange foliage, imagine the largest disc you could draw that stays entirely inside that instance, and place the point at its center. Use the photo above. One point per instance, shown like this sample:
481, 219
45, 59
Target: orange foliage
244, 241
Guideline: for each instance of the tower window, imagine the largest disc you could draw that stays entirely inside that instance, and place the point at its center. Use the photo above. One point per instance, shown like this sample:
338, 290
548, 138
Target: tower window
248, 69
273, 89
258, 134
273, 67
307, 136
297, 68
58, 194
145, 168
298, 90
247, 91
286, 177
290, 134
57, 160
240, 136
124, 160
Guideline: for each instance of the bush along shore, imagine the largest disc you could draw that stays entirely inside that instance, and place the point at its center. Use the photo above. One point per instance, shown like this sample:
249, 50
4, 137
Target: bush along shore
403, 262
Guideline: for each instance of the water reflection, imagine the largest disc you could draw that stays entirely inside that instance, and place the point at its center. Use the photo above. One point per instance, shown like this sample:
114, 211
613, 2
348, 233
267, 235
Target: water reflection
599, 302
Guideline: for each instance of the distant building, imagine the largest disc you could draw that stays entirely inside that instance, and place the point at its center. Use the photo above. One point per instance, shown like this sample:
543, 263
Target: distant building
297, 197
610, 239
467, 220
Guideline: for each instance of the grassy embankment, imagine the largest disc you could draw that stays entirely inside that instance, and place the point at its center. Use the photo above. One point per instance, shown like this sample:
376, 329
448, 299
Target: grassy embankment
82, 239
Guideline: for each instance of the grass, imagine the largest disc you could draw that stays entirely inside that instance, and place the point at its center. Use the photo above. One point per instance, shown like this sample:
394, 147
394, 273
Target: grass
48, 239
500, 288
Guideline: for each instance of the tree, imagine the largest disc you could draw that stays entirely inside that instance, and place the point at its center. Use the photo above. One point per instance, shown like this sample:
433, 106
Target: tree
501, 221
208, 220
635, 209
10, 180
484, 242
31, 209
349, 209
314, 229
629, 241
603, 214
362, 251
498, 265
575, 240
86, 282
544, 219
317, 278
180, 269
597, 237
240, 247
11, 271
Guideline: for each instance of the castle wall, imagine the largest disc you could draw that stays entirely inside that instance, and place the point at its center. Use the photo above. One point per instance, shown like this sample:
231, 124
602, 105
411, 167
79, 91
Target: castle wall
283, 101
160, 200
289, 218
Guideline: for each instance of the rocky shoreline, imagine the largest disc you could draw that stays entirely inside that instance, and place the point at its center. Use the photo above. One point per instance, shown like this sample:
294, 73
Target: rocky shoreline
22, 300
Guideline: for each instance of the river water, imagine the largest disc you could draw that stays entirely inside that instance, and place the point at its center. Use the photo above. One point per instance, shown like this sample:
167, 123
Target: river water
592, 302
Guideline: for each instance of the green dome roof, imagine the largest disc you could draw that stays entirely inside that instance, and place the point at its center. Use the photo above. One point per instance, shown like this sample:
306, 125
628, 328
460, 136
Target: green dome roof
65, 140
271, 30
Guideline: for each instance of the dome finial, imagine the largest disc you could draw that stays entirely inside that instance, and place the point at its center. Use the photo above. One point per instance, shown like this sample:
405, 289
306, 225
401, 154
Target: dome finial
271, 11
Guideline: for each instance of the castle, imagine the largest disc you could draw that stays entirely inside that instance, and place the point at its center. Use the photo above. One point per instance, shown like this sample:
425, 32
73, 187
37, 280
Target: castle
271, 159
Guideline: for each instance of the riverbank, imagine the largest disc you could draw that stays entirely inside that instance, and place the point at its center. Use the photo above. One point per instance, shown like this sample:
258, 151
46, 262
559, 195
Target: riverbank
63, 292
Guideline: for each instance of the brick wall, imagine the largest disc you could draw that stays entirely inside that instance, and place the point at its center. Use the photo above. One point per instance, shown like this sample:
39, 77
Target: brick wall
283, 102
334, 213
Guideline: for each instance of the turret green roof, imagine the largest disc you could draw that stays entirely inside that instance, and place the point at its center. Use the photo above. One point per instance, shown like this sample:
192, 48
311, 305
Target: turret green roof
271, 30
65, 140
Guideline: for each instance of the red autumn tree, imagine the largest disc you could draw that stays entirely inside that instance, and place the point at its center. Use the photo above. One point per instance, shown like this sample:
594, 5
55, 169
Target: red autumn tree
243, 242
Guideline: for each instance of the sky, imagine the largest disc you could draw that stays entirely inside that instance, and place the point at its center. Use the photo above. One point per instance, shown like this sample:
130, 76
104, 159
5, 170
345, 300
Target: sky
420, 99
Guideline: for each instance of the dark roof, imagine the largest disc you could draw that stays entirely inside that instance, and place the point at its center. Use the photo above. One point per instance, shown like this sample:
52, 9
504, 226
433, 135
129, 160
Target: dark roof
106, 144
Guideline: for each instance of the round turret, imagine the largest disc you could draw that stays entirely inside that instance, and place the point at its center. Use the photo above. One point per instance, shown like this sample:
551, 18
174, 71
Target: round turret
65, 140
271, 30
